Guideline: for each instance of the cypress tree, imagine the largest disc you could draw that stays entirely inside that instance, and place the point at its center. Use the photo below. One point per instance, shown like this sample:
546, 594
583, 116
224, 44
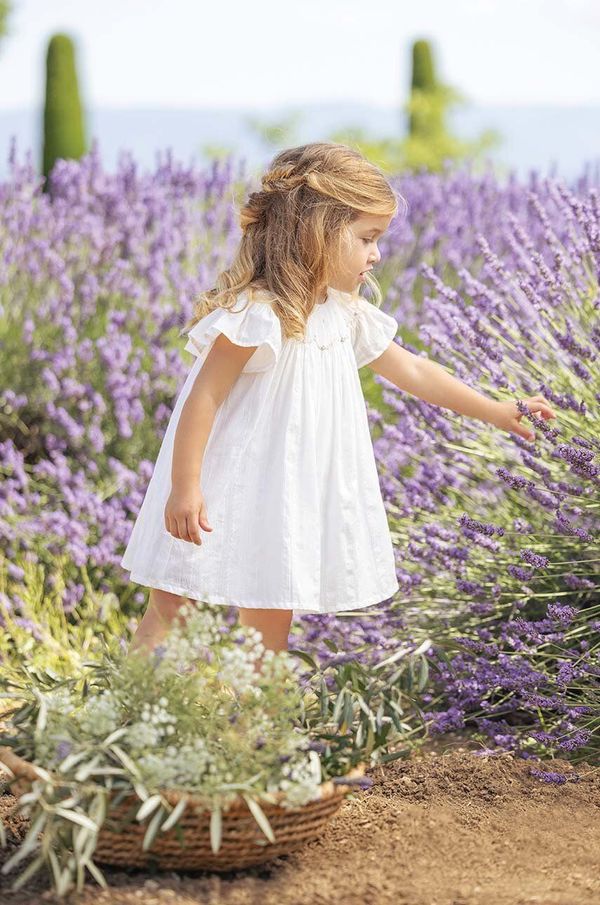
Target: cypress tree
422, 80
63, 117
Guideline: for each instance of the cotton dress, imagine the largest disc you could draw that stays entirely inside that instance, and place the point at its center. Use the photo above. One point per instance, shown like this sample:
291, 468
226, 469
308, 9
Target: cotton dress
288, 474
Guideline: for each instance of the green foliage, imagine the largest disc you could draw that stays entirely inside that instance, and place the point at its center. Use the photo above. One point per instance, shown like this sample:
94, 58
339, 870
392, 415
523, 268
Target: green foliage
428, 143
60, 641
63, 116
278, 133
424, 120
423, 76
395, 155
193, 715
358, 712
5, 11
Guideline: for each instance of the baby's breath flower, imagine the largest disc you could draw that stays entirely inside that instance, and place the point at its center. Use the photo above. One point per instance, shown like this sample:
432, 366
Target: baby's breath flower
205, 719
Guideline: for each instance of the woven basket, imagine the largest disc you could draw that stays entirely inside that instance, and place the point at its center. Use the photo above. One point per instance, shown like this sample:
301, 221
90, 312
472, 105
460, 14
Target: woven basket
243, 843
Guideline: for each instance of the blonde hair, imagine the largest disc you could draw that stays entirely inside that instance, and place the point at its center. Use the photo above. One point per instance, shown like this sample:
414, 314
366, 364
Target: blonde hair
295, 228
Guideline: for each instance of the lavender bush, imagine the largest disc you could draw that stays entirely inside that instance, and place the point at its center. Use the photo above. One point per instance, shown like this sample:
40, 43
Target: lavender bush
497, 282
500, 535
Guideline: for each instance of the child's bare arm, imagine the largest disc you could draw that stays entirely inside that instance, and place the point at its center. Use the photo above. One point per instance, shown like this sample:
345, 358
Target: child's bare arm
428, 380
185, 511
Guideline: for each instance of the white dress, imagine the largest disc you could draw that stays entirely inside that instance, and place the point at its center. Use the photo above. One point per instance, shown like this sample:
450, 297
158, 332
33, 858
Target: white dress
288, 474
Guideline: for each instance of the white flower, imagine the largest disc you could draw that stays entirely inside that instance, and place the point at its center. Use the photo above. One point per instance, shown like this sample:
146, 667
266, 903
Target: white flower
99, 715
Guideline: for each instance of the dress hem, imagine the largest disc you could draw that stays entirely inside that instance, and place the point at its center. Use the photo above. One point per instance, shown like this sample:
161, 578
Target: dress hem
219, 599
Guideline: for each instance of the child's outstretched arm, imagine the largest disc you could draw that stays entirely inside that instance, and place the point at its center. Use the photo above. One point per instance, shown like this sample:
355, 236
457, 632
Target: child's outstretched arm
428, 380
185, 510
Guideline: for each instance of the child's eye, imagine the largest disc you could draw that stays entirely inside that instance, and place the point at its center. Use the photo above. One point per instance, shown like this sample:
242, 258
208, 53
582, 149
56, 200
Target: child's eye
368, 240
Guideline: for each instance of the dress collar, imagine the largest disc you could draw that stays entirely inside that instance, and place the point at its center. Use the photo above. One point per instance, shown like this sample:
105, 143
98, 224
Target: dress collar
340, 295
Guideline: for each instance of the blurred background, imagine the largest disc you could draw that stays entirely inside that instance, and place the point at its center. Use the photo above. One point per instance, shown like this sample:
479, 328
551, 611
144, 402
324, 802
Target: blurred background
515, 81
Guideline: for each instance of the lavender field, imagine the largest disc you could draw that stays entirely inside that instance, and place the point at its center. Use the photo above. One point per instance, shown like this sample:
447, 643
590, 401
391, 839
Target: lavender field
496, 537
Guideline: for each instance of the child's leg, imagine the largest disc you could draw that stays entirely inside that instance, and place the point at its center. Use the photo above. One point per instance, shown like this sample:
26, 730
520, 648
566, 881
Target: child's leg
162, 609
273, 624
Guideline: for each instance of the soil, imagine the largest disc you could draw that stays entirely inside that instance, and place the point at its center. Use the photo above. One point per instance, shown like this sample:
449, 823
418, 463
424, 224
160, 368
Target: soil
441, 827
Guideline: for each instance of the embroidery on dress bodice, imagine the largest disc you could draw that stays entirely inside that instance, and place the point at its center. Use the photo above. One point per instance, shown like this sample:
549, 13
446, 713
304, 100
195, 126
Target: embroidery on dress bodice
339, 326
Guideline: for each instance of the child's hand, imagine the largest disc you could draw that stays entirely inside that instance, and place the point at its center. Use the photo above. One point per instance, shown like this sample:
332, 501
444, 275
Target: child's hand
507, 416
185, 514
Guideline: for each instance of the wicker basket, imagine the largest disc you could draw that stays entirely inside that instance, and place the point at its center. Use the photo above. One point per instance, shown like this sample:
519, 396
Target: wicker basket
243, 843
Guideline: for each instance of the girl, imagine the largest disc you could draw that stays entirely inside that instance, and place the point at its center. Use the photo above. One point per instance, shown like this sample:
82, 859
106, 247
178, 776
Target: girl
265, 493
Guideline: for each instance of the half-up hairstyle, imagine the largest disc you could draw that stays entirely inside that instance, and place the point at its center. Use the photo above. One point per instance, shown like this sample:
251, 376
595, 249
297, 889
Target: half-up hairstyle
294, 231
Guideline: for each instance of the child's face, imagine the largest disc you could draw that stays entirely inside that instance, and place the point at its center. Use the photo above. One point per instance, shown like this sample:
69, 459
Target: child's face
361, 251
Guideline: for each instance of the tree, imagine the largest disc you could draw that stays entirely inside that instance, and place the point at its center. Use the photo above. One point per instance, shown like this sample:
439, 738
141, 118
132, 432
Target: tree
63, 118
428, 143
5, 11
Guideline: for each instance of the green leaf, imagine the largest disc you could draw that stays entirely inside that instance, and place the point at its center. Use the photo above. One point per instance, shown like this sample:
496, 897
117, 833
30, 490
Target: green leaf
348, 711
84, 771
395, 719
395, 755
80, 875
360, 735
260, 817
29, 797
393, 658
125, 760
81, 835
422, 648
424, 674
337, 710
97, 809
41, 773
149, 805
396, 676
324, 699
63, 879
29, 871
153, 828
216, 829
55, 867
396, 707
95, 872
315, 763
71, 801
114, 736
29, 843
175, 814
304, 656
42, 717
76, 817
71, 760
363, 706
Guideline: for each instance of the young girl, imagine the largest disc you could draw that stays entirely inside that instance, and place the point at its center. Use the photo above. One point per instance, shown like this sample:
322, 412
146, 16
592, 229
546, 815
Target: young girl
265, 493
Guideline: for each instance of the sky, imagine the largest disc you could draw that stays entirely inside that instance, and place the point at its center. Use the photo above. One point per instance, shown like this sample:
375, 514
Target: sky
272, 53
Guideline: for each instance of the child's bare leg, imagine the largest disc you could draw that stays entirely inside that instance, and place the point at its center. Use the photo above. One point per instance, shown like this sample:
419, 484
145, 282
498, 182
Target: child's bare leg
274, 626
162, 609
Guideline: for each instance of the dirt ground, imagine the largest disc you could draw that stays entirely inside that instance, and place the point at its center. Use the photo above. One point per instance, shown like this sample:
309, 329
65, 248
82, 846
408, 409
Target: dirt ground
443, 827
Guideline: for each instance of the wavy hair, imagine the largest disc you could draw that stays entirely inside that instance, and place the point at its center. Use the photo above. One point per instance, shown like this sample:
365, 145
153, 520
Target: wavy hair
294, 231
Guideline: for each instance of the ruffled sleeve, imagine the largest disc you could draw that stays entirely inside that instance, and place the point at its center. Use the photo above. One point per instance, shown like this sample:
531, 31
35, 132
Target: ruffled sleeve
248, 324
372, 331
